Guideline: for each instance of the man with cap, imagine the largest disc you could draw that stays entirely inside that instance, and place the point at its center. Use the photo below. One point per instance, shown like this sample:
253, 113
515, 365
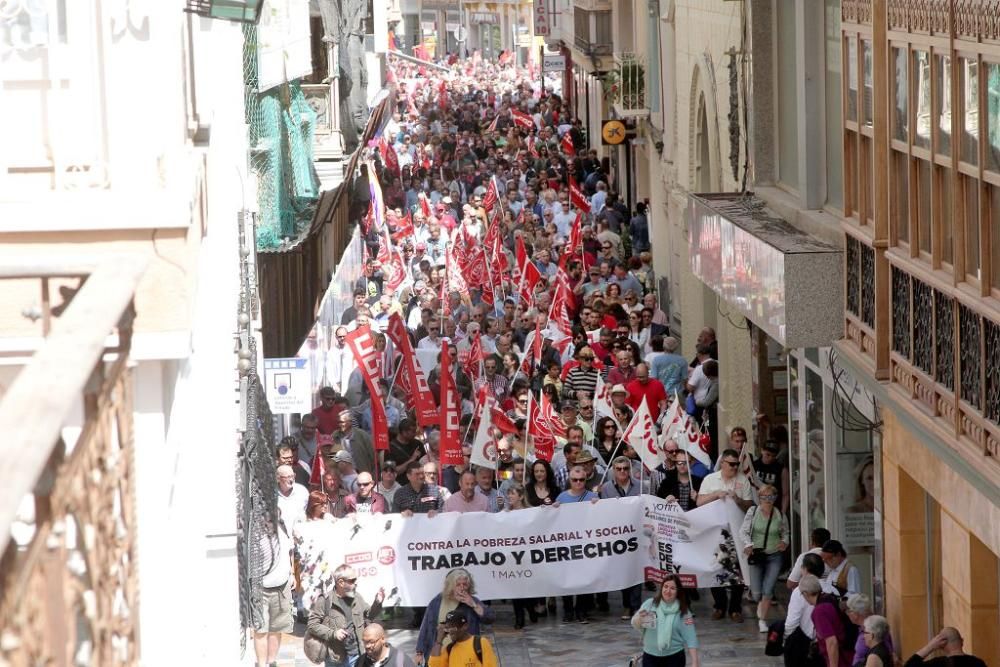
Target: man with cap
619, 400
586, 460
345, 468
844, 576
388, 485
464, 649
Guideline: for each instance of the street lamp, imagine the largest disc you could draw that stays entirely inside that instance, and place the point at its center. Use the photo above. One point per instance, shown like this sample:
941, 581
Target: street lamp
243, 11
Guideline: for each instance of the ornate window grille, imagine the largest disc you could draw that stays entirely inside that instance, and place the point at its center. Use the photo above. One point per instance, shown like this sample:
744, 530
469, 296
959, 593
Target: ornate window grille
991, 336
900, 312
852, 276
944, 340
923, 333
970, 367
868, 285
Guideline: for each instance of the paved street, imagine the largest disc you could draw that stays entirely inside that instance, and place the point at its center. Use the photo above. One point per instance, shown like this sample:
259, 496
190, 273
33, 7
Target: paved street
605, 642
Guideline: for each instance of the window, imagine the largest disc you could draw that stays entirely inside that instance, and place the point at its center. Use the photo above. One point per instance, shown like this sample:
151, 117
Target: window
900, 89
834, 139
970, 214
866, 53
993, 116
852, 79
788, 129
923, 206
942, 103
901, 196
922, 99
994, 204
943, 211
968, 89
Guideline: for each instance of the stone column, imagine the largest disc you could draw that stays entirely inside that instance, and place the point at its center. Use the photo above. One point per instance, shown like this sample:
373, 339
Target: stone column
969, 586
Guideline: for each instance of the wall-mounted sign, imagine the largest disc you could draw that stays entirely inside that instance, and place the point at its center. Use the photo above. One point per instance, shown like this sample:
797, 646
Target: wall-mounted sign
612, 132
484, 17
553, 63
288, 385
541, 14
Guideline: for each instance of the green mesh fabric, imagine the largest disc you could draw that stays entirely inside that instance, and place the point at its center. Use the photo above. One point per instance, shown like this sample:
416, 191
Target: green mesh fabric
281, 127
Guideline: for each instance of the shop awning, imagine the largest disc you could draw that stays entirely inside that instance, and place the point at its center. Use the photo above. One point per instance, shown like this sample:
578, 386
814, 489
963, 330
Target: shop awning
788, 283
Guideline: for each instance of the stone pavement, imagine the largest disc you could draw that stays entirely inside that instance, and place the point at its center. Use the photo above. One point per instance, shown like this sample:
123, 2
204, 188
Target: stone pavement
606, 641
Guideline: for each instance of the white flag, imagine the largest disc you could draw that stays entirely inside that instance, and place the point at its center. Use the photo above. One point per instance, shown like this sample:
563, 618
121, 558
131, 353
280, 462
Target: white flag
484, 449
641, 434
672, 420
602, 398
688, 439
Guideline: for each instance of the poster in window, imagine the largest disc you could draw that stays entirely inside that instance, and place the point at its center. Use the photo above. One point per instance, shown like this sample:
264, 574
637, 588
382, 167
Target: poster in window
857, 499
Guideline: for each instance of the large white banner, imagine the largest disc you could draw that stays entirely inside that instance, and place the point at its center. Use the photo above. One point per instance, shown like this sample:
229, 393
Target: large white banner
574, 548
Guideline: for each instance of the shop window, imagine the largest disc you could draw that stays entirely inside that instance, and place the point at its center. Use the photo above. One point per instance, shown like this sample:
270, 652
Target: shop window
900, 88
922, 99
901, 196
795, 433
942, 103
970, 216
968, 95
815, 454
858, 487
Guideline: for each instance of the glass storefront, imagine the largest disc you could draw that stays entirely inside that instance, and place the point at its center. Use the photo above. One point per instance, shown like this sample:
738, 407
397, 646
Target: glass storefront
834, 455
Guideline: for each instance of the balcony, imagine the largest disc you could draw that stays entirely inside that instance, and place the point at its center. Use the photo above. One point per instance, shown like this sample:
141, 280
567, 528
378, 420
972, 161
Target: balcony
69, 590
592, 32
625, 86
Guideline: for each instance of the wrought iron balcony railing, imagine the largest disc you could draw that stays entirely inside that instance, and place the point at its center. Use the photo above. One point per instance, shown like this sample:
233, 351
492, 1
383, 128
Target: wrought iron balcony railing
68, 572
625, 85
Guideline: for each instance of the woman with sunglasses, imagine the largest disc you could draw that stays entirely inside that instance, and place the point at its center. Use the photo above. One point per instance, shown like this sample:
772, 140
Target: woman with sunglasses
606, 439
765, 533
667, 627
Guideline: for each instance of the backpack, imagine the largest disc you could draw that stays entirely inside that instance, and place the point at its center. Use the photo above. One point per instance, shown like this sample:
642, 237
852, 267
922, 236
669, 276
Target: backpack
477, 646
850, 630
841, 583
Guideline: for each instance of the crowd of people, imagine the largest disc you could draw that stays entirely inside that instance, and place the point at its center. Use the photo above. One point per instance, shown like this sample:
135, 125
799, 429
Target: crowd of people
496, 236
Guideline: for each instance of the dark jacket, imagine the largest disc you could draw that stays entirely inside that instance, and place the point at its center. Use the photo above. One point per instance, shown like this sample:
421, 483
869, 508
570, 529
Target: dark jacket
428, 628
325, 618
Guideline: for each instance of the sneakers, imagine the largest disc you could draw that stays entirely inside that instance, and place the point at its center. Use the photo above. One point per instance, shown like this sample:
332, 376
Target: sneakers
762, 625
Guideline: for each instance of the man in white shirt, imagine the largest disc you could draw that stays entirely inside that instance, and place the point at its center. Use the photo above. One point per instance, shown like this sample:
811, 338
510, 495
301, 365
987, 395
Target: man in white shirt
730, 483
292, 497
799, 630
843, 575
817, 539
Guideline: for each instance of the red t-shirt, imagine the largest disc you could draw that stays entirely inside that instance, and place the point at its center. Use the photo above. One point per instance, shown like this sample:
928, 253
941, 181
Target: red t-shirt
827, 622
652, 391
327, 419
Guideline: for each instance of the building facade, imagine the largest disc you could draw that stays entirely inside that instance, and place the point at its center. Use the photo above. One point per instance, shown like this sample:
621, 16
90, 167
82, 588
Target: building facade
867, 133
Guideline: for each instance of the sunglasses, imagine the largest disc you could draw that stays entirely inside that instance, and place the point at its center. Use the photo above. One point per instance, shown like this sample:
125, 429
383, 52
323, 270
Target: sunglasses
349, 581
732, 464
771, 497
577, 479
621, 469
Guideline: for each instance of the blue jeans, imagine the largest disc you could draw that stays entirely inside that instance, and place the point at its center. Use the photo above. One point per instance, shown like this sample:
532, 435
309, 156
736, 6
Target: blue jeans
763, 577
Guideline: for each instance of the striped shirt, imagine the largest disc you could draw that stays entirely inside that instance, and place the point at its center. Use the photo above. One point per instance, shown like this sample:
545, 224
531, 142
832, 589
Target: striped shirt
580, 379
428, 498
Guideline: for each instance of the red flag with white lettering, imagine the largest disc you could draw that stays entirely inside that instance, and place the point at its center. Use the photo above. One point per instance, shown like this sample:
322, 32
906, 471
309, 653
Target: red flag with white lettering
451, 444
556, 425
492, 195
576, 196
529, 278
419, 390
362, 344
539, 430
522, 120
380, 426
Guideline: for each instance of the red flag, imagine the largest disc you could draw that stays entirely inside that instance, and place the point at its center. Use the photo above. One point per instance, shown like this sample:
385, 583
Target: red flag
318, 469
520, 257
419, 390
492, 195
455, 281
556, 425
395, 272
362, 344
493, 126
529, 278
451, 445
475, 358
567, 145
540, 431
575, 242
502, 421
389, 156
404, 228
522, 119
576, 196
380, 426
532, 149
425, 204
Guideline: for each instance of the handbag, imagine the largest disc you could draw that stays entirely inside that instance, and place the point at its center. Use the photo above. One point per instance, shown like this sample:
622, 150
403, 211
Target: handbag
775, 639
315, 649
690, 406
